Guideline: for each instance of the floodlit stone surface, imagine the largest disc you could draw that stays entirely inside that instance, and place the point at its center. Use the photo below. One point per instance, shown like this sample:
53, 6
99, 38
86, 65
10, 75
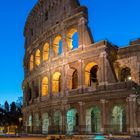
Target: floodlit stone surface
99, 81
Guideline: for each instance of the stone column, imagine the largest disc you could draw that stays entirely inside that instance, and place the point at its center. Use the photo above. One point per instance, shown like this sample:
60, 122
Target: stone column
64, 121
51, 51
24, 122
32, 92
32, 123
80, 74
51, 122
102, 72
34, 64
64, 41
41, 53
127, 115
64, 51
40, 123
24, 97
63, 78
65, 107
82, 118
49, 84
132, 113
103, 119
26, 116
83, 75
49, 66
83, 34
40, 87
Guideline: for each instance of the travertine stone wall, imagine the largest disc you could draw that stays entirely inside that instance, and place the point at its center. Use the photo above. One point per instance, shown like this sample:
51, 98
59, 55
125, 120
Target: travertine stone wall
50, 19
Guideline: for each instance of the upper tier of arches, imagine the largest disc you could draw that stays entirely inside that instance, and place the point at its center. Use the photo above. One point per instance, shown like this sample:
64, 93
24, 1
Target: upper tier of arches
43, 53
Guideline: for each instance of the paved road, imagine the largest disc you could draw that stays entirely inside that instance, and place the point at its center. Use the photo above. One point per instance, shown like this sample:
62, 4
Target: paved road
39, 138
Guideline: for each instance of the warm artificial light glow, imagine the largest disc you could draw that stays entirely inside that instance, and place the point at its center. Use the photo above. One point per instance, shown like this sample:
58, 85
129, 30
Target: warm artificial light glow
46, 52
45, 86
31, 62
56, 82
70, 38
87, 72
129, 78
37, 57
56, 44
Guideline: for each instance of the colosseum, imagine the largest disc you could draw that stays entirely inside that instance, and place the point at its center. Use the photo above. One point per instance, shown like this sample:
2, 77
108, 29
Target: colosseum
73, 85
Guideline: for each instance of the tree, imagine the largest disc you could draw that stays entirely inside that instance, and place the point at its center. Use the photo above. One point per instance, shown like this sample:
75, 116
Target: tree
13, 108
19, 102
10, 114
1, 117
6, 106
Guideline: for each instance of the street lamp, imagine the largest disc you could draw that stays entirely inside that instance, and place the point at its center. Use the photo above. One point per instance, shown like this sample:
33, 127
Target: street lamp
129, 78
20, 122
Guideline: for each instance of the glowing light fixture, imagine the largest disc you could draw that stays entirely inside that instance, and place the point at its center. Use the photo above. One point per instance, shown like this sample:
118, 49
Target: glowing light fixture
129, 78
99, 136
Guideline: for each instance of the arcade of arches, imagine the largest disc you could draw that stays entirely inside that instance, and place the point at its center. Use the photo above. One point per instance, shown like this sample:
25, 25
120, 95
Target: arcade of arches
72, 42
70, 122
95, 117
91, 80
72, 84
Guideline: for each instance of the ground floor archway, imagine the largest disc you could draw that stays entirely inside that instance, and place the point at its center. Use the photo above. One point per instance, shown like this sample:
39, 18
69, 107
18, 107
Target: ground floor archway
93, 119
72, 121
57, 121
45, 123
118, 119
36, 126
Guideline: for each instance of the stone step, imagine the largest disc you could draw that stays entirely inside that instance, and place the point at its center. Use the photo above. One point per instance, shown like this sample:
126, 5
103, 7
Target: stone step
74, 137
86, 137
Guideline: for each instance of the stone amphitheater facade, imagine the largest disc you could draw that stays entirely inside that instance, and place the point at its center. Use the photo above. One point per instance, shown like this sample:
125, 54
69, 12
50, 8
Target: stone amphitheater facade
79, 89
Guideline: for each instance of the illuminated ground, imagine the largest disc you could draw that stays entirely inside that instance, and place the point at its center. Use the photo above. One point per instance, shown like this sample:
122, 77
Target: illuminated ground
31, 138
43, 138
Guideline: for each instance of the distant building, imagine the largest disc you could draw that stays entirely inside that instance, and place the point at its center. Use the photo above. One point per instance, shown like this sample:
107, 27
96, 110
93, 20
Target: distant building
83, 88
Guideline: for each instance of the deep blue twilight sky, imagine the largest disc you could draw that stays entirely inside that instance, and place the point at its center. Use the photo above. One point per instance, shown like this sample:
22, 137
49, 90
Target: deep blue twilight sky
115, 20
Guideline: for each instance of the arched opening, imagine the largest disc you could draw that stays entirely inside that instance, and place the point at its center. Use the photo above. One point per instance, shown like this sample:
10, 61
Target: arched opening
57, 45
30, 124
118, 119
45, 86
57, 121
93, 119
28, 92
46, 15
56, 82
125, 74
36, 123
46, 52
31, 62
72, 121
30, 120
72, 39
91, 75
35, 89
45, 123
37, 57
75, 80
